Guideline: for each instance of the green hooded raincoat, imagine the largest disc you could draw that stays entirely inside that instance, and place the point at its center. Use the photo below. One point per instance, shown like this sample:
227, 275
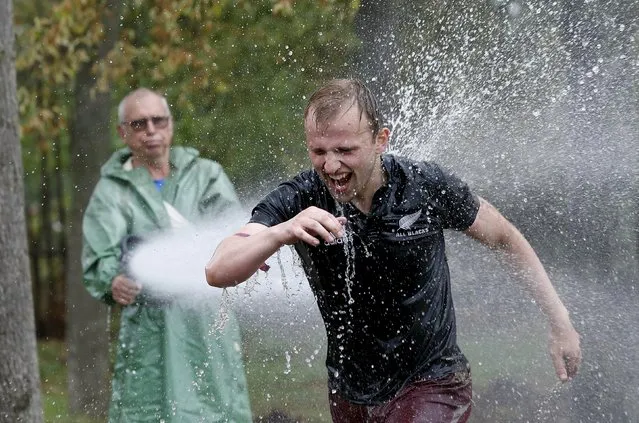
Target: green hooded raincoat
172, 364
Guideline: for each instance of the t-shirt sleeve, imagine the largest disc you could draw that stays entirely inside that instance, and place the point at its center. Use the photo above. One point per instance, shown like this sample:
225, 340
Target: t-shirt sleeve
458, 204
280, 205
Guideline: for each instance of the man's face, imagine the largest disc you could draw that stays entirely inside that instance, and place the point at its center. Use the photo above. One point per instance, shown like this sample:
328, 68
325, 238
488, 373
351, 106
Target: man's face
148, 128
346, 154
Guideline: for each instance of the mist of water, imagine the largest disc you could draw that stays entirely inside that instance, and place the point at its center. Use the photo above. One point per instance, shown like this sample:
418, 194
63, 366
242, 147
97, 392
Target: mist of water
535, 105
171, 264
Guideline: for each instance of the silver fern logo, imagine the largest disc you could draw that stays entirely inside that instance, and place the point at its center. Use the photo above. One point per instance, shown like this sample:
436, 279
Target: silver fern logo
407, 221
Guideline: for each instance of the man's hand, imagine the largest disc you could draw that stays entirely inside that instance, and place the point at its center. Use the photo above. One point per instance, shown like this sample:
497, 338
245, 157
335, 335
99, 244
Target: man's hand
124, 290
239, 256
565, 352
311, 226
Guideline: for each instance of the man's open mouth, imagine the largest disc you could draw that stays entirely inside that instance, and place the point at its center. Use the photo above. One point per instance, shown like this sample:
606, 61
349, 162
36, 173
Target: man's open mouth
340, 184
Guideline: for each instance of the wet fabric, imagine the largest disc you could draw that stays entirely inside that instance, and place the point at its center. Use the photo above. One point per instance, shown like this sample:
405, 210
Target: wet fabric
173, 362
384, 289
447, 400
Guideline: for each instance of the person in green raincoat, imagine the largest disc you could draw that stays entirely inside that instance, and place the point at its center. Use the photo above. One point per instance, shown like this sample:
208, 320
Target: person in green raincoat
173, 363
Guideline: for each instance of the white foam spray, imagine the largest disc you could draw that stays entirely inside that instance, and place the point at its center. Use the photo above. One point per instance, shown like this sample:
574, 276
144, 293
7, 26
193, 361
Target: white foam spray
171, 265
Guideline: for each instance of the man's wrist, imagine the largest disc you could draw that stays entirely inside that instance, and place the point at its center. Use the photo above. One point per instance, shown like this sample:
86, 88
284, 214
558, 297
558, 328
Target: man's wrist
560, 321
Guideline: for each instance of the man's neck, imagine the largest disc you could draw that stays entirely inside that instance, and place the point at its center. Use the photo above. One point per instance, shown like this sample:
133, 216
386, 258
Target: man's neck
159, 169
365, 202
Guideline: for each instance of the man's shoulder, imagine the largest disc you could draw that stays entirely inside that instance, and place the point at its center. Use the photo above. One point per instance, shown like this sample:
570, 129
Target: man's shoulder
301, 188
181, 155
207, 163
115, 163
307, 181
189, 158
307, 177
407, 170
108, 189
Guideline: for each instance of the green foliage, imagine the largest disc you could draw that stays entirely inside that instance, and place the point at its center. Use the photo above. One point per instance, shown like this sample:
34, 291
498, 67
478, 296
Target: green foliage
274, 384
280, 377
235, 72
237, 83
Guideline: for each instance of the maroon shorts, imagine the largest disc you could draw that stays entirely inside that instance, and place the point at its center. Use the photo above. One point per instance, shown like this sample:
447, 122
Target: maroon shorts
446, 400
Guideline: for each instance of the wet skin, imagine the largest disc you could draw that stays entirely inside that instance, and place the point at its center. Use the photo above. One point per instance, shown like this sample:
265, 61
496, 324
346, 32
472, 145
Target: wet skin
347, 156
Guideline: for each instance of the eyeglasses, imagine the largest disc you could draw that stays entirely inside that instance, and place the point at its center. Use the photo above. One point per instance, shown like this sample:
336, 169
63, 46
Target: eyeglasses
159, 122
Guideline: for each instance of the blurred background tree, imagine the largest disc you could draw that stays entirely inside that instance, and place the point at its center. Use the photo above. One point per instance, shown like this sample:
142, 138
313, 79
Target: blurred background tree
235, 74
20, 399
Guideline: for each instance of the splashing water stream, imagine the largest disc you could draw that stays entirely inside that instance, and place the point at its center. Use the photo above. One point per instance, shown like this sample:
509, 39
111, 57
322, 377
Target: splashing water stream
534, 104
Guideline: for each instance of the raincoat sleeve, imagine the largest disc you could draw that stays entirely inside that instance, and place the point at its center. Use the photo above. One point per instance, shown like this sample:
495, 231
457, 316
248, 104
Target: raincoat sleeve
219, 196
104, 226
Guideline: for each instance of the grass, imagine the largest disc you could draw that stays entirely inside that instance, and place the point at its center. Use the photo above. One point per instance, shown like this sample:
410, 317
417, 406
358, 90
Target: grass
281, 377
287, 375
516, 354
285, 369
53, 376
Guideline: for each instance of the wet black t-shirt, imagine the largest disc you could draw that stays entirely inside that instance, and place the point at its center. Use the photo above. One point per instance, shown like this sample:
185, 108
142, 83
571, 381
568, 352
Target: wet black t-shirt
384, 289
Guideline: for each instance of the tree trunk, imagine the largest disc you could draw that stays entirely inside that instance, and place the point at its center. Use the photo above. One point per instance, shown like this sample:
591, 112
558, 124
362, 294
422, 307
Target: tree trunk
19, 378
87, 319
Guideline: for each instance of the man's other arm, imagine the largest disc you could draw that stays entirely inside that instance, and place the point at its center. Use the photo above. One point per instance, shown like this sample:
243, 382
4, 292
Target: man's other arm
495, 231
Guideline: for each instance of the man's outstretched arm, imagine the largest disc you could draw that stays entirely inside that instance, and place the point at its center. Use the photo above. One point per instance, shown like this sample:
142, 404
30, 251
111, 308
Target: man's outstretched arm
240, 255
495, 231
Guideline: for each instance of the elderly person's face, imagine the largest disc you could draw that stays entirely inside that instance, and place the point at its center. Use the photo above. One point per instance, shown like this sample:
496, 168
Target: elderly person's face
346, 155
147, 128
